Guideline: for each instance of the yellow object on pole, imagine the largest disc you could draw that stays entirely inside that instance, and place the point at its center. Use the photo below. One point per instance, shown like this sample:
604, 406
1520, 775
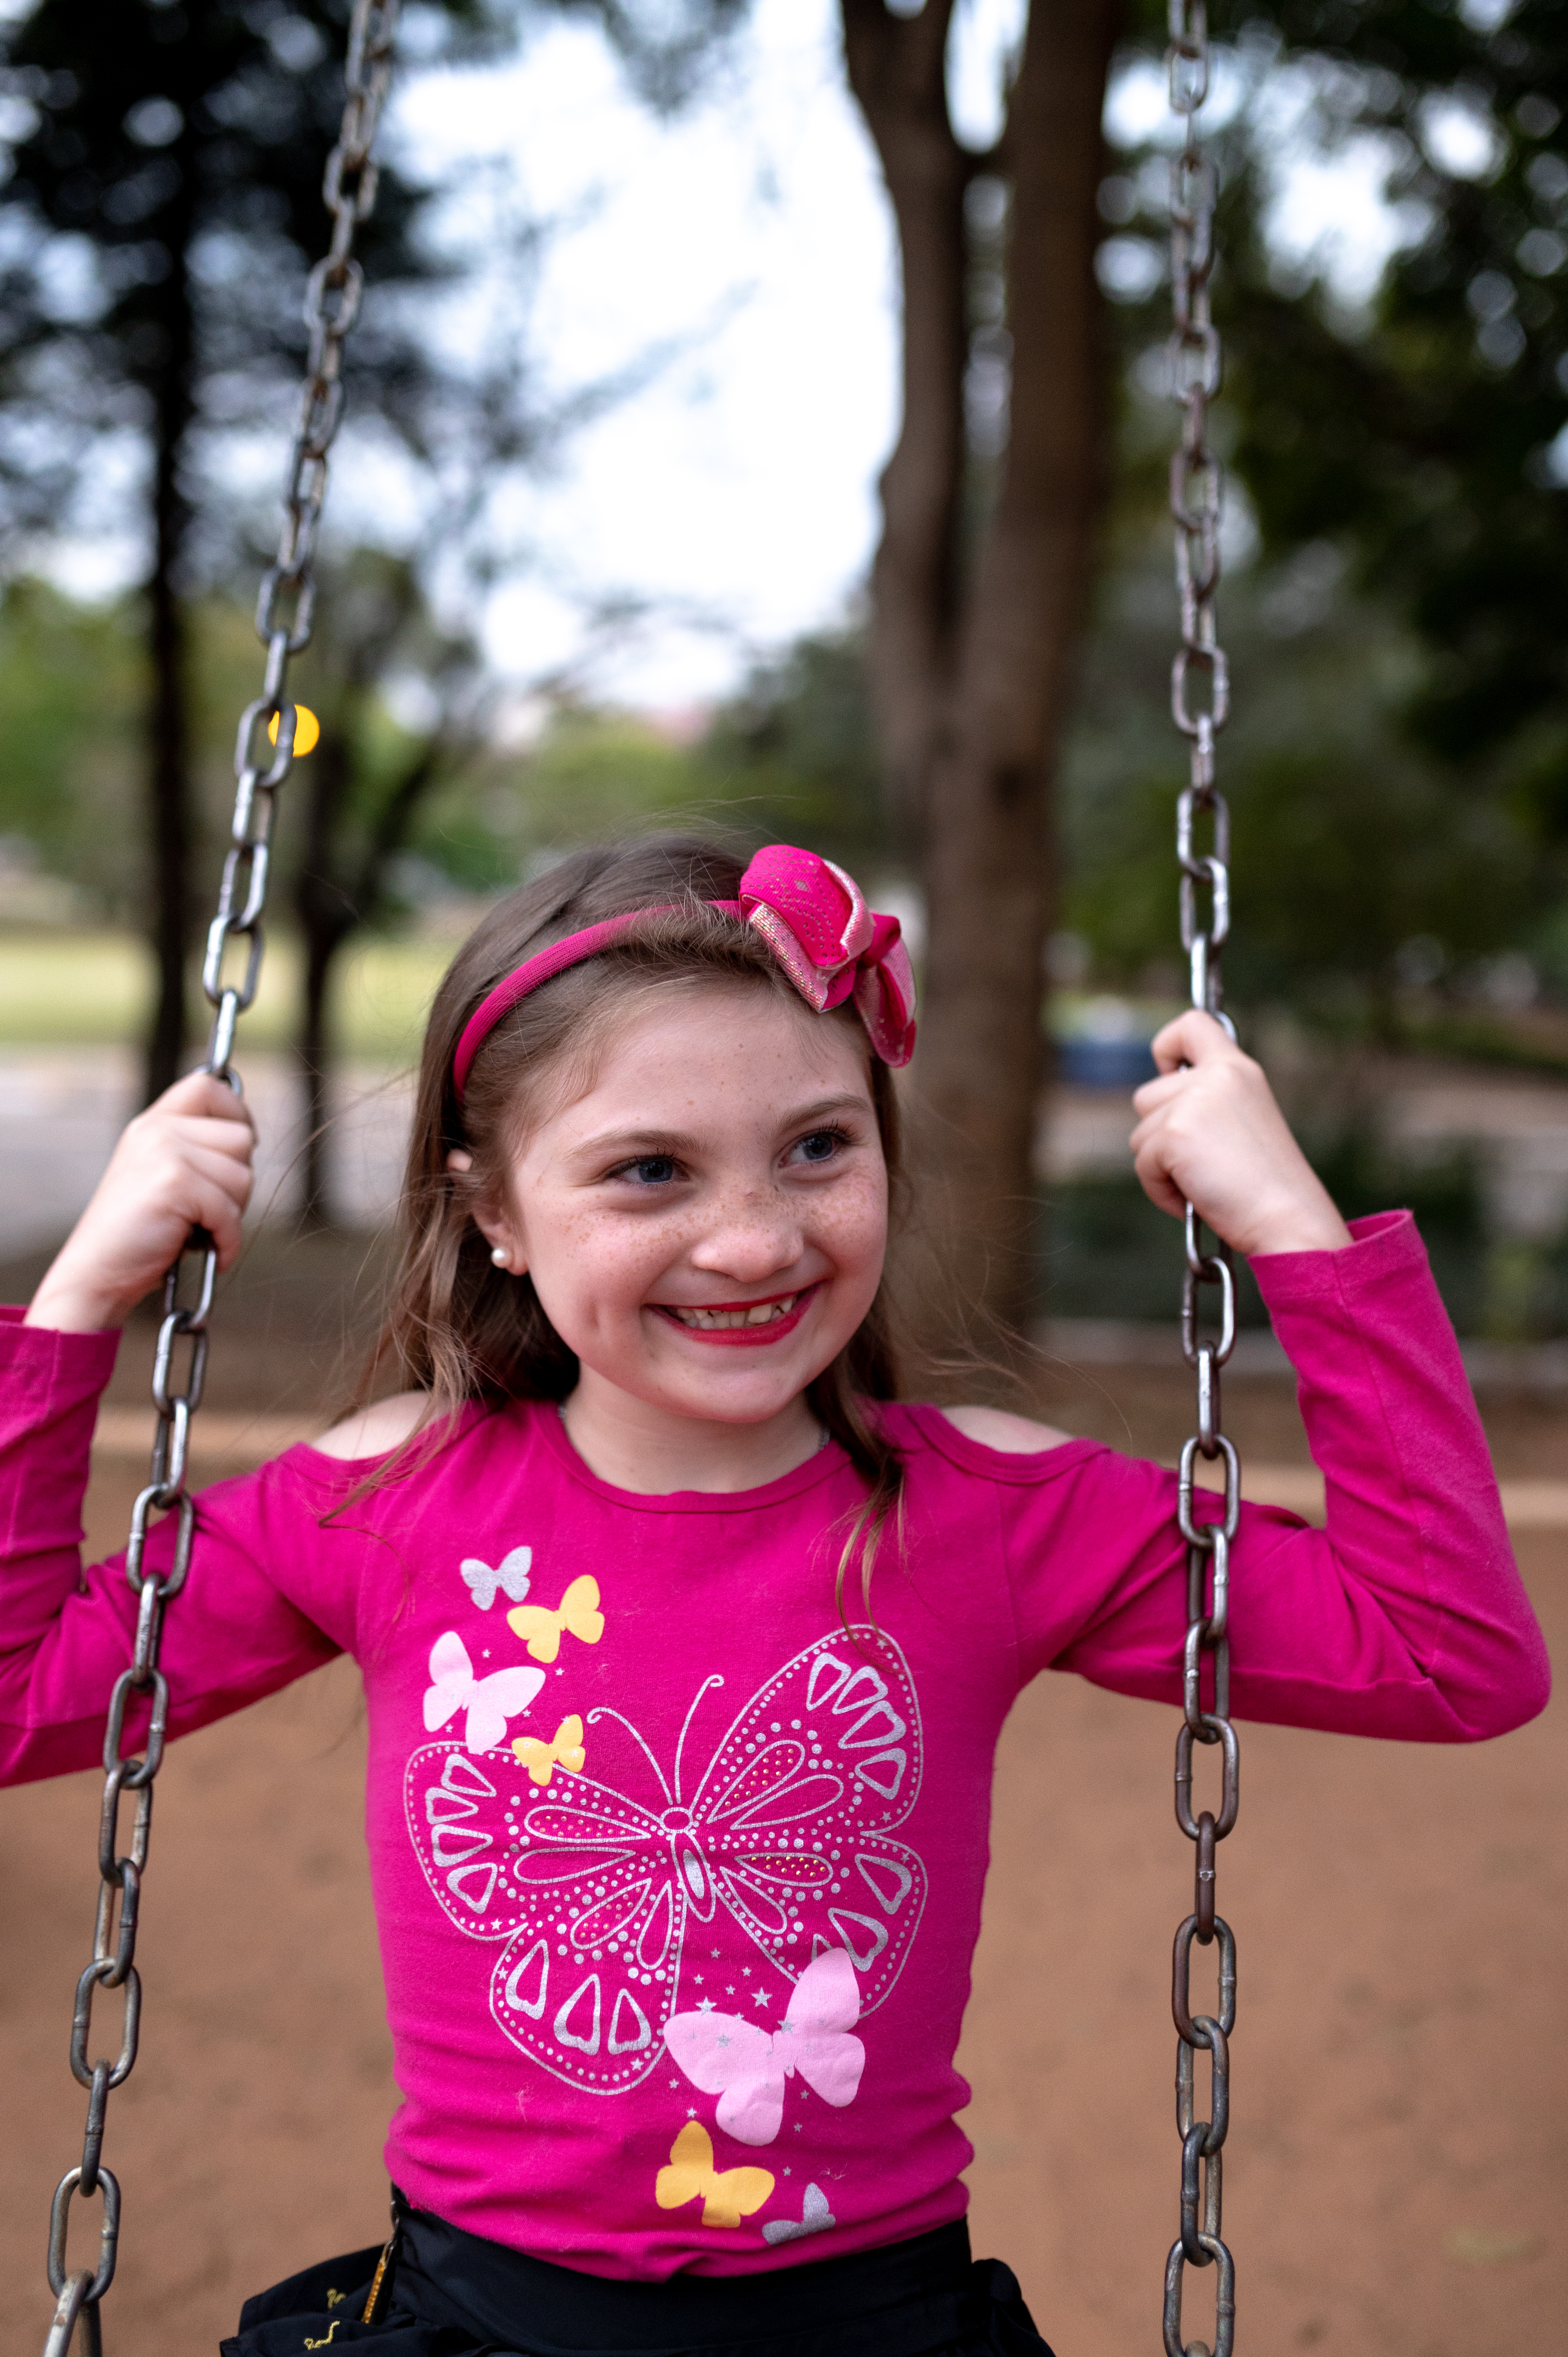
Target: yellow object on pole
306, 729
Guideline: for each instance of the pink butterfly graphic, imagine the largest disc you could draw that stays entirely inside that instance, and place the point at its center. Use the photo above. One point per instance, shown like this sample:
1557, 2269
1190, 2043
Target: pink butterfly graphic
746, 2066
489, 1702
614, 1902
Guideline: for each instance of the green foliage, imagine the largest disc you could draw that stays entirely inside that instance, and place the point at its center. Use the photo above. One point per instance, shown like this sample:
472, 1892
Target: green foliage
1349, 841
1423, 436
1398, 762
794, 754
72, 687
1103, 1255
790, 756
70, 683
163, 205
399, 698
1102, 1251
590, 774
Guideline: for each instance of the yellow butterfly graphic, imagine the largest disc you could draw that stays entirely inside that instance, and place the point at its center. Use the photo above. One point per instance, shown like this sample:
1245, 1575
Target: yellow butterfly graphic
565, 1749
541, 1630
727, 2199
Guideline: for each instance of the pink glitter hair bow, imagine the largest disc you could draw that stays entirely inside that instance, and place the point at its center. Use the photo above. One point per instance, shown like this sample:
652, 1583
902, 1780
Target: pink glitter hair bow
814, 919
833, 947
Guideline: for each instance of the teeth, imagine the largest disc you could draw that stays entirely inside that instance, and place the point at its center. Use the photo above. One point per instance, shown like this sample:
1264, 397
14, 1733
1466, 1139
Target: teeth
761, 1313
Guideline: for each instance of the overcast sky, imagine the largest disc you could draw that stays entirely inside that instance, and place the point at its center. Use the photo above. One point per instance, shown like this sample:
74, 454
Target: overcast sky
739, 484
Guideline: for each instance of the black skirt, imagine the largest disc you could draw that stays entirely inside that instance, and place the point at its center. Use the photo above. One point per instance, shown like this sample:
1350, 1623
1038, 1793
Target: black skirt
436, 2291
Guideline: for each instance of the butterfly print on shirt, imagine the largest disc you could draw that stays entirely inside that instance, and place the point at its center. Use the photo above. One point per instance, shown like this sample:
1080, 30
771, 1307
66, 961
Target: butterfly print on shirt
541, 1630
565, 1749
511, 1574
614, 1904
727, 2195
489, 1702
815, 2219
746, 2066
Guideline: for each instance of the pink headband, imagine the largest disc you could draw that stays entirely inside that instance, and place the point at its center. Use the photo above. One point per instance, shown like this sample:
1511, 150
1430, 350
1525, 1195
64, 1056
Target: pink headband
813, 918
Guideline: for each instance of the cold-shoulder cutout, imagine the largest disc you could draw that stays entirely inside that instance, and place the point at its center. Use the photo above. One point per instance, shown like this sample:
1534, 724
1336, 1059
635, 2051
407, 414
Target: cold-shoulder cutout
374, 1431
1015, 1436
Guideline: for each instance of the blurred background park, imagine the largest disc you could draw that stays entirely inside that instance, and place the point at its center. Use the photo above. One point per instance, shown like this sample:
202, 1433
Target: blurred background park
600, 547
655, 290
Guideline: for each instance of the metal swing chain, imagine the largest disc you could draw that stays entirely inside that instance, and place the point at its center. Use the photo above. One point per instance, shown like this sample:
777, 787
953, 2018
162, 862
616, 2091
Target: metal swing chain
283, 618
1194, 499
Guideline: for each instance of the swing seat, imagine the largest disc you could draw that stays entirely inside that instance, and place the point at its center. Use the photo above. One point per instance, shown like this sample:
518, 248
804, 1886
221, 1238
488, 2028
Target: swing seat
324, 2307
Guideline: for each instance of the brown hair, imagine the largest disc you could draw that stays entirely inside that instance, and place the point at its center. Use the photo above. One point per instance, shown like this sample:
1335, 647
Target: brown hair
458, 1327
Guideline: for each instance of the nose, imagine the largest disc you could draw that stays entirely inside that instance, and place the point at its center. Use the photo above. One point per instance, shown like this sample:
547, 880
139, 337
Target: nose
753, 1234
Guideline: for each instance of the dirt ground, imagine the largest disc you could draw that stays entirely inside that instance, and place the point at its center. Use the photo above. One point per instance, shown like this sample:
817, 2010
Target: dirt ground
1398, 2164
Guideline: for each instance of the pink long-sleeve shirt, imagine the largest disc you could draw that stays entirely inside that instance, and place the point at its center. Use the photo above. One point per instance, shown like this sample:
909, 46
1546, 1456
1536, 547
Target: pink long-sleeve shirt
677, 1881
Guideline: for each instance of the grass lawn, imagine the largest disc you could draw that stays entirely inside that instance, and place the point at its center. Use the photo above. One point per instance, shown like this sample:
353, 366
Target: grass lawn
86, 989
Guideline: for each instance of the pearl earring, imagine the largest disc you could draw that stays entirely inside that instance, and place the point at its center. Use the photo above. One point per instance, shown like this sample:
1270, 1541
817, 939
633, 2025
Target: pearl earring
501, 1255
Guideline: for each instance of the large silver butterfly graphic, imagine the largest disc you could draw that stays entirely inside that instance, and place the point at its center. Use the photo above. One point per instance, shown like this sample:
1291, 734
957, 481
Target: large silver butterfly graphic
617, 1910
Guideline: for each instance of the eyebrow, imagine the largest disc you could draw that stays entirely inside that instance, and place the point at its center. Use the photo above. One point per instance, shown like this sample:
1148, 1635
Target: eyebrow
682, 1141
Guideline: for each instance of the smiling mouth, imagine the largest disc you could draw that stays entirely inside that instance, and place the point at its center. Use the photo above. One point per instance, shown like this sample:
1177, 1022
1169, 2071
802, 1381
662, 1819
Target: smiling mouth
727, 1319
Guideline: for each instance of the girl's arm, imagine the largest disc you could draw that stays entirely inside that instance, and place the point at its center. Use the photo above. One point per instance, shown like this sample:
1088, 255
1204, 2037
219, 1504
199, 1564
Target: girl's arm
183, 1163
1405, 1616
67, 1634
230, 1636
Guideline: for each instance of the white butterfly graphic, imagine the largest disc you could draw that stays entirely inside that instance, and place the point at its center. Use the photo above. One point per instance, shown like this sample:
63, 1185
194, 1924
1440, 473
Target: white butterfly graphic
745, 2065
489, 1702
781, 1849
815, 2219
511, 1574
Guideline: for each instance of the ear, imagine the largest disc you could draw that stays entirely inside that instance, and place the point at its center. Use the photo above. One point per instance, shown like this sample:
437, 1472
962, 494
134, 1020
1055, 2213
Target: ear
491, 1217
501, 1233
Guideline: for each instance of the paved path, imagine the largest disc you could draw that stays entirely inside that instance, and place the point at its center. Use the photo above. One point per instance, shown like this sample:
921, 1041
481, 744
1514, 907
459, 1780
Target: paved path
61, 1110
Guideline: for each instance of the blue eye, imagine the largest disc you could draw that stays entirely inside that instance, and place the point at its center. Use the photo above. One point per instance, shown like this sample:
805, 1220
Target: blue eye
649, 1170
821, 1145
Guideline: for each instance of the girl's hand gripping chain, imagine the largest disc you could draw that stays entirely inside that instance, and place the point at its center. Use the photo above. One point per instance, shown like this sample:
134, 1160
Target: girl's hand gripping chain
185, 1163
1211, 1134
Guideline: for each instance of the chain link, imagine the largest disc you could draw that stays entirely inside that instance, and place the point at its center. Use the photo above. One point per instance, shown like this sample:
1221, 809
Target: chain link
1200, 700
284, 616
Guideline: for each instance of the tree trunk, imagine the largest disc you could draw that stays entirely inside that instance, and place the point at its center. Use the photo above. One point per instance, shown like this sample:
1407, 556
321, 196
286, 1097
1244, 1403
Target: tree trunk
171, 808
972, 662
329, 909
897, 70
328, 915
317, 1206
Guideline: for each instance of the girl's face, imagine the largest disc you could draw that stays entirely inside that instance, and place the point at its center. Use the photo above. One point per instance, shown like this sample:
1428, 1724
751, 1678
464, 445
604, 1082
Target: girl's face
706, 1226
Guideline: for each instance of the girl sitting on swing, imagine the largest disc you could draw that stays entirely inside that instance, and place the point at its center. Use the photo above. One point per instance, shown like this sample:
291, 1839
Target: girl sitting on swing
677, 1815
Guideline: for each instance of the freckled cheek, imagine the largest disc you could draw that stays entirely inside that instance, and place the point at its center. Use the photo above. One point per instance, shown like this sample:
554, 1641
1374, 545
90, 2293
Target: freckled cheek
598, 1270
851, 1226
856, 1209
